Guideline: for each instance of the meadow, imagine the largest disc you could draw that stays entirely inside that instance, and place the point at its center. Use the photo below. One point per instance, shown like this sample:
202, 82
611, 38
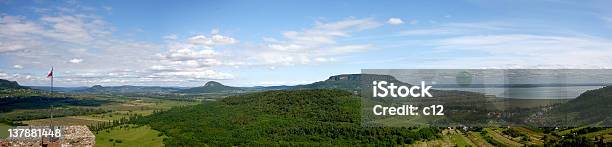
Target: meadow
130, 136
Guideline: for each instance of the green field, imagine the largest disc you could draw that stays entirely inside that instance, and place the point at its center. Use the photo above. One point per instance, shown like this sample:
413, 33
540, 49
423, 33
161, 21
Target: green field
130, 135
4, 130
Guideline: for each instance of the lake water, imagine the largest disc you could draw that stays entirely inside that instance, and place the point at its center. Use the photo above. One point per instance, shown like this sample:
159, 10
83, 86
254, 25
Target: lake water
568, 92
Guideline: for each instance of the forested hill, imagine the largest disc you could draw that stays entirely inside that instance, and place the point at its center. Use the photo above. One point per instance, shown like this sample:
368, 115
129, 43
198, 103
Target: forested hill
281, 117
6, 84
593, 106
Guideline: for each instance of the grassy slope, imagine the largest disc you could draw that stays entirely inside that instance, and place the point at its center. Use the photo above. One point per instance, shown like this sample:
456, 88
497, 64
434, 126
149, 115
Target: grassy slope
4, 130
142, 136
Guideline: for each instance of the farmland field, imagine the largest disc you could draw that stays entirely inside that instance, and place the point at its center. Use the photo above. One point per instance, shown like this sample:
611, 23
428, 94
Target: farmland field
129, 135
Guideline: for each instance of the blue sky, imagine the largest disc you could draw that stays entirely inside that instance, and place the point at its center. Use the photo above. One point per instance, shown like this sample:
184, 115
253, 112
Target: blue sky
246, 43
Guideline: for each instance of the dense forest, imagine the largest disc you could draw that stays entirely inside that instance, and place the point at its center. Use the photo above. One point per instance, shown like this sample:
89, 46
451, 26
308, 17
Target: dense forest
294, 117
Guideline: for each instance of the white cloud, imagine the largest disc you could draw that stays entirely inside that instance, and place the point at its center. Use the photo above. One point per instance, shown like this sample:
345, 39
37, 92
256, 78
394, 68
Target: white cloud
313, 45
395, 21
321, 59
197, 74
350, 49
56, 38
17, 33
348, 24
270, 39
214, 40
4, 75
75, 60
193, 58
187, 54
317, 44
284, 47
17, 66
72, 28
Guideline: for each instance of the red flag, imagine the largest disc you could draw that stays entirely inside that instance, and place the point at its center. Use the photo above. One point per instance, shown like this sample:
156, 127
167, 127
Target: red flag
50, 73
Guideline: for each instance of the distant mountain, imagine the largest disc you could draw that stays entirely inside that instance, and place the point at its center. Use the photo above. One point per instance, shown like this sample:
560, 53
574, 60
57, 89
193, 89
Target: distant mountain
128, 89
6, 84
214, 87
348, 82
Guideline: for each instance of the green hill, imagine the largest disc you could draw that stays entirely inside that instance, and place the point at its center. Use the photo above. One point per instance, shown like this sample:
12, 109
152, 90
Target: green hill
6, 84
590, 108
284, 117
212, 87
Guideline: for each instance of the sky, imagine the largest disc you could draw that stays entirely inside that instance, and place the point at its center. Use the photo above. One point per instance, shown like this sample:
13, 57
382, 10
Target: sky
248, 43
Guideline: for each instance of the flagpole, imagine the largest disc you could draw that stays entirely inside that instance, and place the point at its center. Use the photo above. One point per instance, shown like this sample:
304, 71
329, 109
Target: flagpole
51, 96
51, 75
51, 85
51, 112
